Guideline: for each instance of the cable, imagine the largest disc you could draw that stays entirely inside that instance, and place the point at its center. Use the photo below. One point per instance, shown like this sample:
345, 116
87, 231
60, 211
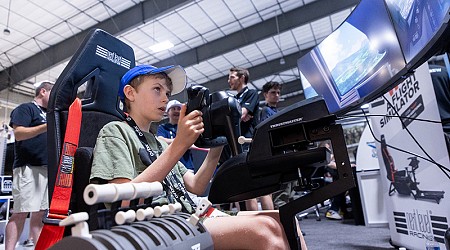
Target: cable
396, 116
407, 130
441, 167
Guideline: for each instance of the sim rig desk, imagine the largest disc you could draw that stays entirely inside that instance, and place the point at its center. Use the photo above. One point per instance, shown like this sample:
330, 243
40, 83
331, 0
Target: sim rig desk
282, 150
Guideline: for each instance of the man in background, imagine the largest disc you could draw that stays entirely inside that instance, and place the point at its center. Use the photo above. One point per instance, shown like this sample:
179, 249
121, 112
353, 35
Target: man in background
272, 91
248, 99
30, 184
168, 131
441, 85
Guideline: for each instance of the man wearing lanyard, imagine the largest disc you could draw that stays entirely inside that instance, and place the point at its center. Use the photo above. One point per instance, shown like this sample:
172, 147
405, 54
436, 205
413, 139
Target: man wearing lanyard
30, 184
248, 99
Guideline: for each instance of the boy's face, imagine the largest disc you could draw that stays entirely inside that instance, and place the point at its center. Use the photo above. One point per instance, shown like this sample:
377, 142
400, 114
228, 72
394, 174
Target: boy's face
150, 98
273, 96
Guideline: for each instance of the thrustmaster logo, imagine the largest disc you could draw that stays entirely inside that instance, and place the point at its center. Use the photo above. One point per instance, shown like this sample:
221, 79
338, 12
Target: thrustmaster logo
286, 122
423, 225
113, 57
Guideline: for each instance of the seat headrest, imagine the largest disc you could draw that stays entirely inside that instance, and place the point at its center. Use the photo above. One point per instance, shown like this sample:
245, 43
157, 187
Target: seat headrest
101, 61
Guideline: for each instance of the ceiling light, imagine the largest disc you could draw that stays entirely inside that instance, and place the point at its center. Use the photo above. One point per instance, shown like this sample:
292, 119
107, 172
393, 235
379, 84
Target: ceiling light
161, 46
6, 31
282, 61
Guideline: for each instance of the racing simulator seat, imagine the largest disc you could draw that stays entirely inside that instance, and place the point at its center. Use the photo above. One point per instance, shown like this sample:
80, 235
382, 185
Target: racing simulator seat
93, 74
404, 181
100, 62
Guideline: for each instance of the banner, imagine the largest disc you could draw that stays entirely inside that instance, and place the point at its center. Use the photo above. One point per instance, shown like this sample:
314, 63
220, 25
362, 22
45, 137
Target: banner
416, 191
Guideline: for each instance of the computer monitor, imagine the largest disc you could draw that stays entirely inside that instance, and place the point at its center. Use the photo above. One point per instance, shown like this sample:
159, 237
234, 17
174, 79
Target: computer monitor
418, 24
357, 61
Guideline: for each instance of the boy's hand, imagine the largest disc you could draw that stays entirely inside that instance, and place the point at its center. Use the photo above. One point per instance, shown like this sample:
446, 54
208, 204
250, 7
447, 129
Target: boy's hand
190, 126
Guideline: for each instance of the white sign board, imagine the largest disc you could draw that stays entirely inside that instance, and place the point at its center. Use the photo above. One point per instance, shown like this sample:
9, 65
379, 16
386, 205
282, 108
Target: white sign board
416, 191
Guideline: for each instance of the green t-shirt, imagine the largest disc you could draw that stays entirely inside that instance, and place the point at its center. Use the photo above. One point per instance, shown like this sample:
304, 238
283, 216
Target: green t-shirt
116, 155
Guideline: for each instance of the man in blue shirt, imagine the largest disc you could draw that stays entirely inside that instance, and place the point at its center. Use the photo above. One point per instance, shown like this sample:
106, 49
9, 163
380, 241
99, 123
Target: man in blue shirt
271, 91
168, 131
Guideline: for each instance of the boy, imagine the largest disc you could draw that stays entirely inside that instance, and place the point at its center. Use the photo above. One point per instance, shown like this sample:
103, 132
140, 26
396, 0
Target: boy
128, 152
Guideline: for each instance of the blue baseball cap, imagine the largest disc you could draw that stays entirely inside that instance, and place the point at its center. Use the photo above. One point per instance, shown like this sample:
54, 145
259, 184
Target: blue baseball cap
175, 72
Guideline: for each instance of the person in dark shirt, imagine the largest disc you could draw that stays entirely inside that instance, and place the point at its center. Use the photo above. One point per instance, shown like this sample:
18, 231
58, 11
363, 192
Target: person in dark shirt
248, 99
30, 184
271, 91
441, 85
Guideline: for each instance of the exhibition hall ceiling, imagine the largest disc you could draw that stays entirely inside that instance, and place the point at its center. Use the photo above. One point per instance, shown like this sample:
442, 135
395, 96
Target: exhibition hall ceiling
208, 37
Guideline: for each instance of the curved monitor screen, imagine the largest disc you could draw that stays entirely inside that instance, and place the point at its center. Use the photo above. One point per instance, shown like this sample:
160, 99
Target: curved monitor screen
416, 22
360, 57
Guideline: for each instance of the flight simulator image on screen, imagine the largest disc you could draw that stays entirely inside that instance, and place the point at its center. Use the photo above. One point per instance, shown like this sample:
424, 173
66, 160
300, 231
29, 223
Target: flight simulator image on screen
416, 22
355, 60
361, 57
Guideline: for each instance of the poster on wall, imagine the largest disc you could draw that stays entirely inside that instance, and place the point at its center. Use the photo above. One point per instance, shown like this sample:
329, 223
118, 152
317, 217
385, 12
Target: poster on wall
416, 191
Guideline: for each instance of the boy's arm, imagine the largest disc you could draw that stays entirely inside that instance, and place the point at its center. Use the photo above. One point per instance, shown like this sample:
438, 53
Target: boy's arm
190, 127
197, 183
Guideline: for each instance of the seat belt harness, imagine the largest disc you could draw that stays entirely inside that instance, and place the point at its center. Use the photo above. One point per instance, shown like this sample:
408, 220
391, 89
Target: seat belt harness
52, 232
